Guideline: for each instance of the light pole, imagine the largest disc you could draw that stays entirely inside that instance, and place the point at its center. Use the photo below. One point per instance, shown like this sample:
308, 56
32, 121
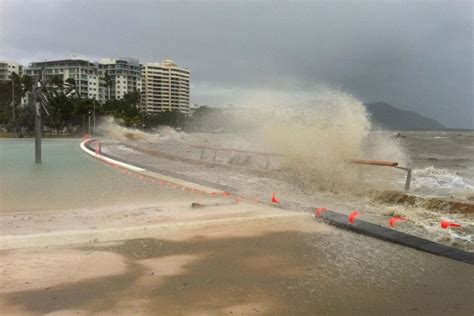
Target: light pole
89, 129
38, 131
13, 108
93, 118
38, 101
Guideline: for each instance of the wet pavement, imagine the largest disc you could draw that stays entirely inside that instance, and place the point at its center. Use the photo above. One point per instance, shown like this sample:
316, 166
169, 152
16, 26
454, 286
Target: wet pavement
279, 266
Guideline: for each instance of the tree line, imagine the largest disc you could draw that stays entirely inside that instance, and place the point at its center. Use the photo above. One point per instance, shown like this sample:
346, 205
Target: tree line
69, 113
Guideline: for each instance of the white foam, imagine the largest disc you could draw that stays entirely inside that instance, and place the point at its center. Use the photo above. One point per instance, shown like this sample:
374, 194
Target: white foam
432, 178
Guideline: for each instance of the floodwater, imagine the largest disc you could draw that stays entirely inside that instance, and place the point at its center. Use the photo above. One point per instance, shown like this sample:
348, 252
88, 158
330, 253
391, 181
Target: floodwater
66, 179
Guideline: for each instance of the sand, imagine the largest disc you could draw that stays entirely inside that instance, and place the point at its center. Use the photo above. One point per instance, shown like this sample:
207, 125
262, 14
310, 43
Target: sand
281, 265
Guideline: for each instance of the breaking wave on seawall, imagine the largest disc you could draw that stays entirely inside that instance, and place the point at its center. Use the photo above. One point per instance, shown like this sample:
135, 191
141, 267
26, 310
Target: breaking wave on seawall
317, 138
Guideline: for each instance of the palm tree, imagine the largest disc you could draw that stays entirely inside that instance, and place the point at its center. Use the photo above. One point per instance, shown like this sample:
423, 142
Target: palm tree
57, 85
108, 83
27, 85
71, 87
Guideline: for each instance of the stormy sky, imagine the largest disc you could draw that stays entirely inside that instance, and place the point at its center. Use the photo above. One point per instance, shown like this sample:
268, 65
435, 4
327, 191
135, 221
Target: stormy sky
416, 55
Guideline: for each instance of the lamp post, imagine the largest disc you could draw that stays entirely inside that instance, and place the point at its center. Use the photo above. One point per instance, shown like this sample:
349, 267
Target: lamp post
93, 117
13, 108
89, 117
38, 101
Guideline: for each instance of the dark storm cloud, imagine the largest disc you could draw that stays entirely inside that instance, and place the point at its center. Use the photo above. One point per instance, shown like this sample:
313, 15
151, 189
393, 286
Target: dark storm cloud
415, 55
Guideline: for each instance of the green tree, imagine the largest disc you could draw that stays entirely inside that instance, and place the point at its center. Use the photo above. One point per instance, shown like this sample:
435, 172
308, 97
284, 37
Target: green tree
60, 110
11, 94
56, 85
108, 84
70, 87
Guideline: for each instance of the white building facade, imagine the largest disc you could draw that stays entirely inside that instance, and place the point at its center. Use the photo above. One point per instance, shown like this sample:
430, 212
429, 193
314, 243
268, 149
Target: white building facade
125, 76
7, 68
84, 73
165, 87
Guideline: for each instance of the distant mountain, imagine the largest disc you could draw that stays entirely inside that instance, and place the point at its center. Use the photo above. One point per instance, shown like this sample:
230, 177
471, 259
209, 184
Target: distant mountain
386, 116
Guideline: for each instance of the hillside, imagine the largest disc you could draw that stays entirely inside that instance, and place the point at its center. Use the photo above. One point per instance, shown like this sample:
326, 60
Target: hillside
386, 116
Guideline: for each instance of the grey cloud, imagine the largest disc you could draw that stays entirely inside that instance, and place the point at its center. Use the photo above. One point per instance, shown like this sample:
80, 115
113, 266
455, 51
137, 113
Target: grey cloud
415, 55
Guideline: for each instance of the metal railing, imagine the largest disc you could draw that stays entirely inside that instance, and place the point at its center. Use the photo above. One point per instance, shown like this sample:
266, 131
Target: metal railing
269, 155
386, 164
217, 149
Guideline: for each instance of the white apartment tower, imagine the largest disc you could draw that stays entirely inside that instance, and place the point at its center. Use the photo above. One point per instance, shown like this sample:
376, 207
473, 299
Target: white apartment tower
84, 73
166, 87
7, 68
124, 76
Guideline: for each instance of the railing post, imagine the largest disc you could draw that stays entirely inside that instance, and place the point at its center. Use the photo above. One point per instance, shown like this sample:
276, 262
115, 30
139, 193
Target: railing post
407, 183
267, 163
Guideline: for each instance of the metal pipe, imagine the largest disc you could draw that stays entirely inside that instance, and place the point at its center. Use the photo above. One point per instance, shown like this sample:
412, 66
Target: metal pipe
13, 102
407, 183
408, 180
93, 118
37, 132
89, 120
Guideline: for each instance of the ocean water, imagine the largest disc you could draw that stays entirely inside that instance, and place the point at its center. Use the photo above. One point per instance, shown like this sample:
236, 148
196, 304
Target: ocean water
443, 163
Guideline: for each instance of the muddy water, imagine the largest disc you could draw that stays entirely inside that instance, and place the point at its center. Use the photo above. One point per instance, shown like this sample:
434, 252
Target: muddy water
66, 179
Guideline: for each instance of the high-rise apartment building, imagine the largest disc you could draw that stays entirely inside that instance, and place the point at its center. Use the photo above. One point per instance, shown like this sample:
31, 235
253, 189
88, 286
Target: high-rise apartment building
84, 73
119, 77
7, 68
165, 87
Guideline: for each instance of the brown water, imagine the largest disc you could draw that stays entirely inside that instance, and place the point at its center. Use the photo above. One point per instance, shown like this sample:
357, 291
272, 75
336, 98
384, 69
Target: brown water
66, 179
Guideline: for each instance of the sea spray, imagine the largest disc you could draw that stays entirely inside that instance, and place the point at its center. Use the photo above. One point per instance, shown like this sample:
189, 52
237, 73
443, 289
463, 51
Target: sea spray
318, 138
112, 128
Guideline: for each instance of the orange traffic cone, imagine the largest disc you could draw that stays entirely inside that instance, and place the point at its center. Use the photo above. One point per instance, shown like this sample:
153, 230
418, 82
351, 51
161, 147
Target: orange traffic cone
274, 199
352, 216
446, 224
395, 219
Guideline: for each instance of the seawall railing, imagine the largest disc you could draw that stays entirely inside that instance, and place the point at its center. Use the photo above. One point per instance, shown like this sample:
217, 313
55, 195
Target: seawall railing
269, 155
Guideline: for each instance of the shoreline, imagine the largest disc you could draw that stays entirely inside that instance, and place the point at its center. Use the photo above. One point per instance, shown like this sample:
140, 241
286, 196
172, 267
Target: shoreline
331, 217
